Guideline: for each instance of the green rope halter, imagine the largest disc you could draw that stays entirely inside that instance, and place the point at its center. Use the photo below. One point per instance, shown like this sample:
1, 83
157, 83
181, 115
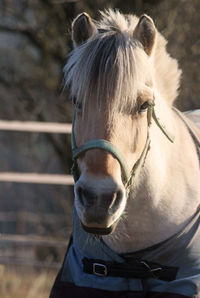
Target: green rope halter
129, 177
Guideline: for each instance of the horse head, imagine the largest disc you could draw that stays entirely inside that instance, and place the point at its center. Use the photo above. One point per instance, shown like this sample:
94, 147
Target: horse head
112, 87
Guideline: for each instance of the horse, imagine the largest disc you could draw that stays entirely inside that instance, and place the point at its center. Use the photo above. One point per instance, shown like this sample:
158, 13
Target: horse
136, 215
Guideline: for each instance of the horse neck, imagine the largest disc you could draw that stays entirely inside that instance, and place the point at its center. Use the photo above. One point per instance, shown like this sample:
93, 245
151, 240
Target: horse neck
166, 193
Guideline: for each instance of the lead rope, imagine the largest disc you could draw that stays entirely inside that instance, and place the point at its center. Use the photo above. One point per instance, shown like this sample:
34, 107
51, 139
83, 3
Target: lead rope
138, 165
141, 161
162, 127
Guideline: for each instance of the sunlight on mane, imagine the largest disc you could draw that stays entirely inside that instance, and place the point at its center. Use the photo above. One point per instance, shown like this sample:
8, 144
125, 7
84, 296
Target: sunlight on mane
110, 66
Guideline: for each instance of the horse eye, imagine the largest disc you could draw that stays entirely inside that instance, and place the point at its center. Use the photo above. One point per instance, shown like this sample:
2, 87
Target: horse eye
144, 107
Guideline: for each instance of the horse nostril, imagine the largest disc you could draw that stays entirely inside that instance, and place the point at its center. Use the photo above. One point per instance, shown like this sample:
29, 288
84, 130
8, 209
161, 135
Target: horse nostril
117, 198
105, 200
86, 197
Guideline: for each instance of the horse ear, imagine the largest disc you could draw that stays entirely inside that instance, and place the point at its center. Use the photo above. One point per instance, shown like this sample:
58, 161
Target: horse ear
145, 32
82, 29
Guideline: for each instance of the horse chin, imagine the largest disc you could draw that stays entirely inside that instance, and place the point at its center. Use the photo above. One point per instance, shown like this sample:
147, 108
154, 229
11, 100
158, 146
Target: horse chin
100, 231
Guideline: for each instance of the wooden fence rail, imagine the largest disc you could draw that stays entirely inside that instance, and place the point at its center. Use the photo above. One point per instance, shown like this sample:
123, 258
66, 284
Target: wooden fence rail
29, 126
16, 261
36, 178
40, 127
31, 217
33, 240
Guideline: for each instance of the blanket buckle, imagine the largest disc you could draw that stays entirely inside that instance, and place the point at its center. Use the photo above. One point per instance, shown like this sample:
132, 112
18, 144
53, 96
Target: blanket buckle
100, 269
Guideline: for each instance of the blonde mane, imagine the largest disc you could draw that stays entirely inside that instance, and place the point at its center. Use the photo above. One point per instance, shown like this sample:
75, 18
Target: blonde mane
109, 66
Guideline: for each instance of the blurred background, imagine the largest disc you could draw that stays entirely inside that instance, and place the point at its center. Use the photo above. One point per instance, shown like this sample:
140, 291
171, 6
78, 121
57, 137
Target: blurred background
35, 219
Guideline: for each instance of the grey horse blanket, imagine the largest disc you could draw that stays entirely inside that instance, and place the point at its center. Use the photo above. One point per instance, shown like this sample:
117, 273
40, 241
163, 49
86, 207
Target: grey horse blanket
181, 251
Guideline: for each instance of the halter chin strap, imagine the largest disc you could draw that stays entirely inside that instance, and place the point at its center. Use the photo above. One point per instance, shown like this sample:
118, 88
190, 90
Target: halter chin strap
129, 177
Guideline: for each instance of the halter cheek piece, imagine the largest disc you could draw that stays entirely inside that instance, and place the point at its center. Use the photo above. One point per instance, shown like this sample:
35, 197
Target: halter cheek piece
128, 177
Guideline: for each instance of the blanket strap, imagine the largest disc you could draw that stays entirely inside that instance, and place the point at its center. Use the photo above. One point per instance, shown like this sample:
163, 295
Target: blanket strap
140, 269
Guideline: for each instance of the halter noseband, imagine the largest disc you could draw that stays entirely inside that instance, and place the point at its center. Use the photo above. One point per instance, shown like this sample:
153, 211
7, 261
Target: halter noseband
112, 149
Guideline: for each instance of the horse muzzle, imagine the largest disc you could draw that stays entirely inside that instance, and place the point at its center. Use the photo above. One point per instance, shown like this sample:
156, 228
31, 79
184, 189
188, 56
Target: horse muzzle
99, 212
